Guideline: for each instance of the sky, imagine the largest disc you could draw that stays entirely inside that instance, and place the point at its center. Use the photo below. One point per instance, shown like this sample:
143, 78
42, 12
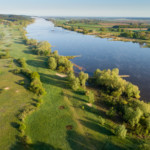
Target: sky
91, 8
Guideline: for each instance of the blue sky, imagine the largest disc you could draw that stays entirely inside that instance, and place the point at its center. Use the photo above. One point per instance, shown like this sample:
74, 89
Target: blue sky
118, 8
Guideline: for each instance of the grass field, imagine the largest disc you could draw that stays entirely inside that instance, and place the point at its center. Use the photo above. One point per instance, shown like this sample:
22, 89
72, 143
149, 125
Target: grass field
61, 122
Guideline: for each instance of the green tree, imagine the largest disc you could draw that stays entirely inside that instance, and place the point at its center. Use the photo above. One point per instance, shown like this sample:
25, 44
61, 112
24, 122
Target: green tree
55, 53
91, 97
121, 131
75, 84
132, 116
52, 63
43, 48
83, 78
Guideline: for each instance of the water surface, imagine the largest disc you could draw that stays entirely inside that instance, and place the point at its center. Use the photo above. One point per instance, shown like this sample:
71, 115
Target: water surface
96, 52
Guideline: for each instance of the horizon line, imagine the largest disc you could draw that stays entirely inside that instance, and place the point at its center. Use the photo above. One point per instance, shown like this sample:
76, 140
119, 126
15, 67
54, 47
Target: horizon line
75, 16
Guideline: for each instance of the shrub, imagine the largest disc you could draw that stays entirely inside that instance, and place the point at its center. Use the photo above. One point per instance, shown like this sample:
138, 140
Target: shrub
40, 101
121, 131
43, 48
22, 62
35, 83
75, 83
26, 141
71, 76
22, 127
132, 116
21, 83
83, 78
52, 63
91, 97
63, 64
37, 105
36, 87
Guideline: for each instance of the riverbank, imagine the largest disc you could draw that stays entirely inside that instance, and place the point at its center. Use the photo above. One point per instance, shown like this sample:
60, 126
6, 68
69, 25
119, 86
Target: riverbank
95, 30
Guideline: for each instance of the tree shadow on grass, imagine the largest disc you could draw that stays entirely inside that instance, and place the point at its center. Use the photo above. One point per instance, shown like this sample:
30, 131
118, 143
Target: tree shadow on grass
92, 110
16, 63
96, 127
74, 97
29, 52
80, 142
36, 146
37, 63
15, 125
54, 80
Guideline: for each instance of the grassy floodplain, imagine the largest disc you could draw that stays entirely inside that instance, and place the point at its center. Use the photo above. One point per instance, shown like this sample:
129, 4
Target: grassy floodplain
107, 27
64, 121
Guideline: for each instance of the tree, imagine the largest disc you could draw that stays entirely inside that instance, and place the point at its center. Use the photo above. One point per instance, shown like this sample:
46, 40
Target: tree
71, 76
83, 78
121, 131
91, 97
75, 83
132, 91
52, 63
55, 53
43, 48
132, 116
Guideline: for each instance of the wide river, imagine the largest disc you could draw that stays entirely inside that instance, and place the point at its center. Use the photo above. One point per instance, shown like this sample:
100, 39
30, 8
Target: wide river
96, 52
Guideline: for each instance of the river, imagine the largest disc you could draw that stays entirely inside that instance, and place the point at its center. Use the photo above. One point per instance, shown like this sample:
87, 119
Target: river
130, 58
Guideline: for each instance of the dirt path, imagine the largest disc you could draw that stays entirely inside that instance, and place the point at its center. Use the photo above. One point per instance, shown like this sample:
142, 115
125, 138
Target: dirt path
61, 75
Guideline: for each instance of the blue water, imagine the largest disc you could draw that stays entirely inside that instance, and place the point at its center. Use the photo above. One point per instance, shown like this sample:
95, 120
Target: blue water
96, 52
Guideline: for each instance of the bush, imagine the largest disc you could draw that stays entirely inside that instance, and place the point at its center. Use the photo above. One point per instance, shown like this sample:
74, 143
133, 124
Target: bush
91, 97
22, 127
132, 116
36, 87
121, 131
27, 110
52, 63
83, 78
22, 62
40, 101
43, 48
37, 105
35, 83
26, 141
21, 83
75, 83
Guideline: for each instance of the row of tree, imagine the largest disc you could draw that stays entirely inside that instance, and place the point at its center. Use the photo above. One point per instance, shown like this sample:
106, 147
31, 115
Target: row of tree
42, 48
123, 99
144, 35
35, 82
